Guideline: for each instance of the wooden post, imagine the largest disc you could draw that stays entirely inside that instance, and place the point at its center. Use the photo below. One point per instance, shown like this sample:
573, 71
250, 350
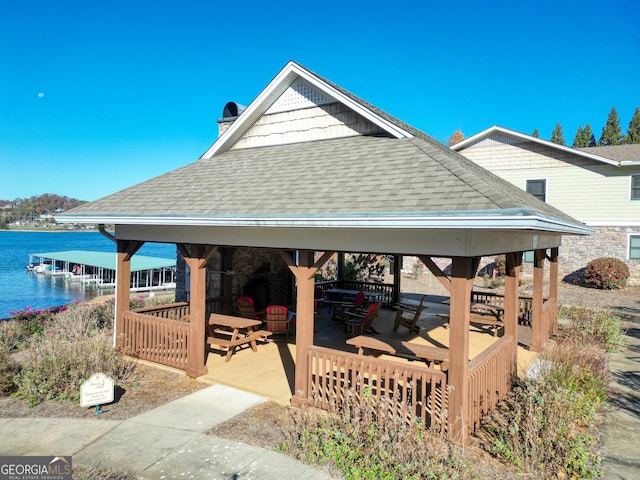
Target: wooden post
304, 273
397, 267
511, 301
537, 327
227, 280
553, 289
125, 249
340, 268
462, 275
196, 258
304, 270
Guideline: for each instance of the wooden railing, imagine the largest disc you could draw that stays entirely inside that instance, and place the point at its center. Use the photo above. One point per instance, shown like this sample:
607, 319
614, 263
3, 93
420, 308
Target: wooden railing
491, 375
405, 391
156, 339
172, 311
525, 303
384, 291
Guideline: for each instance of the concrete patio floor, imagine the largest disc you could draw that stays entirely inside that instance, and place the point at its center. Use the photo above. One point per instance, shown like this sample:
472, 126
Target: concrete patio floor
269, 372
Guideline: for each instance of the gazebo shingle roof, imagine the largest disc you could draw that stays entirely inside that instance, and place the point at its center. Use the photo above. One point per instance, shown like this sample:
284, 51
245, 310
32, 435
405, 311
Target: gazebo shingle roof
352, 175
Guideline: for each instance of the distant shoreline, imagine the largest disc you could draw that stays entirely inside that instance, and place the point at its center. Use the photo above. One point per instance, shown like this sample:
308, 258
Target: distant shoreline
48, 230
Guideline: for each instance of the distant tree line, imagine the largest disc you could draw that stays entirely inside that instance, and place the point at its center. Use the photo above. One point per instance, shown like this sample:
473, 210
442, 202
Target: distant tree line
30, 210
611, 132
584, 137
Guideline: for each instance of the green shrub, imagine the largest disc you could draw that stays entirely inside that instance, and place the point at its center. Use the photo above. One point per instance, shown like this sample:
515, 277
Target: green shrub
606, 273
545, 427
8, 371
500, 265
594, 326
369, 440
73, 349
22, 325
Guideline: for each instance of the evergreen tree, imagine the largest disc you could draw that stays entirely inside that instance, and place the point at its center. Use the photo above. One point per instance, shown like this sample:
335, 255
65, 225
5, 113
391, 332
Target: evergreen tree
633, 132
557, 136
578, 140
584, 137
611, 133
535, 133
588, 136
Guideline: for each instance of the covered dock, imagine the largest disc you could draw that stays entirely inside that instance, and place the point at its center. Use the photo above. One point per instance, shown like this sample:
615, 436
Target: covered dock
99, 269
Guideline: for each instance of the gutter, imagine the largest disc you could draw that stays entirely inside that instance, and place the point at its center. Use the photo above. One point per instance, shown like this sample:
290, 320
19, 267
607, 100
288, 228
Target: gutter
437, 222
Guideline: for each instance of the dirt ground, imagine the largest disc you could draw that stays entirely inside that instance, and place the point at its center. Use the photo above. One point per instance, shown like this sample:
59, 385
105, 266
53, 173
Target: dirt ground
268, 425
149, 387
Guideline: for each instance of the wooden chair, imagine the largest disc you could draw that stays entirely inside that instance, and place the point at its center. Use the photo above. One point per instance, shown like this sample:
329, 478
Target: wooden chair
277, 320
340, 309
358, 324
407, 316
247, 310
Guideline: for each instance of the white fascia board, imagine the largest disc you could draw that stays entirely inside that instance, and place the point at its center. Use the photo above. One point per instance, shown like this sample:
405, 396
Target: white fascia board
498, 222
277, 87
529, 138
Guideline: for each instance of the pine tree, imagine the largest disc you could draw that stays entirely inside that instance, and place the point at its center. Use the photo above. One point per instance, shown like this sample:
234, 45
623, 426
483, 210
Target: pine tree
633, 132
557, 136
578, 140
589, 138
535, 133
611, 133
456, 137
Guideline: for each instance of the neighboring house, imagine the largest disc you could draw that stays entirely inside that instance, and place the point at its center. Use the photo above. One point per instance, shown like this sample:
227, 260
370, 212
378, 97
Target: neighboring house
308, 170
599, 186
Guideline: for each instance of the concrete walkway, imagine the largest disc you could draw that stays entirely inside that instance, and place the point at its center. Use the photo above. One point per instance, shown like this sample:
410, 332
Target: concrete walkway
166, 442
621, 430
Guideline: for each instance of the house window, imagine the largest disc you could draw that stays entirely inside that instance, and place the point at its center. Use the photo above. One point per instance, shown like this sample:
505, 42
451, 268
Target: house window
634, 247
635, 187
537, 188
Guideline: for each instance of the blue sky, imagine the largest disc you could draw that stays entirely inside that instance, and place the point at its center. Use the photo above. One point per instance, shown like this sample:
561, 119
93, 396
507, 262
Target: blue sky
99, 96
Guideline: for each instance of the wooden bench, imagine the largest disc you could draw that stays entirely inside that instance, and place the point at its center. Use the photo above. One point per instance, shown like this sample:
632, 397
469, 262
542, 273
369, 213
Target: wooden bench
399, 348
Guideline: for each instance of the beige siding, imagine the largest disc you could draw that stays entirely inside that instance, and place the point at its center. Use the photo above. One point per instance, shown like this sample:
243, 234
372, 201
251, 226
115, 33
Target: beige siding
587, 190
306, 124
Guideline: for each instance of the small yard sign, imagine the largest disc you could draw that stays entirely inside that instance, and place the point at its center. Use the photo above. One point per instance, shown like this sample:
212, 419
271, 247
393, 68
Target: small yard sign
98, 390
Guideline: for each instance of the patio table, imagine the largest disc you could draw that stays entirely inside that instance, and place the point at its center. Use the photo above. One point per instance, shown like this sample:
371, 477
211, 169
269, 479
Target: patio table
227, 333
399, 348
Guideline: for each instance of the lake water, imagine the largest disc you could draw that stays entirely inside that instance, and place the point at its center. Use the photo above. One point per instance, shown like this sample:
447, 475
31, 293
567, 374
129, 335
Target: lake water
20, 288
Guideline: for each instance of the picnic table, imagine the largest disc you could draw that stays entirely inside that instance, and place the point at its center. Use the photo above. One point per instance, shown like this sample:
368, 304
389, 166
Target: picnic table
400, 348
348, 293
483, 314
227, 333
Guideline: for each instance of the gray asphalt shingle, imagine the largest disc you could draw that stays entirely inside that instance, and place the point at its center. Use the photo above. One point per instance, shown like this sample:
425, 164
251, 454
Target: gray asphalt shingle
353, 175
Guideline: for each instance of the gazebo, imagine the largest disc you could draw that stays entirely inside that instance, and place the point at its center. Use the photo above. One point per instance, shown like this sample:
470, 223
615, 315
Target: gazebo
307, 169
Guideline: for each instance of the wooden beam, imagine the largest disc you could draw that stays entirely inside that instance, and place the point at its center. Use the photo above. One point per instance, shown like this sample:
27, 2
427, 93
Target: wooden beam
322, 260
511, 301
437, 272
537, 327
196, 353
304, 272
553, 288
397, 276
123, 290
462, 275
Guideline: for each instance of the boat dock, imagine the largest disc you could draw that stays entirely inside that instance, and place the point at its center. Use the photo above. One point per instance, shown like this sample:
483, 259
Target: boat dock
98, 269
